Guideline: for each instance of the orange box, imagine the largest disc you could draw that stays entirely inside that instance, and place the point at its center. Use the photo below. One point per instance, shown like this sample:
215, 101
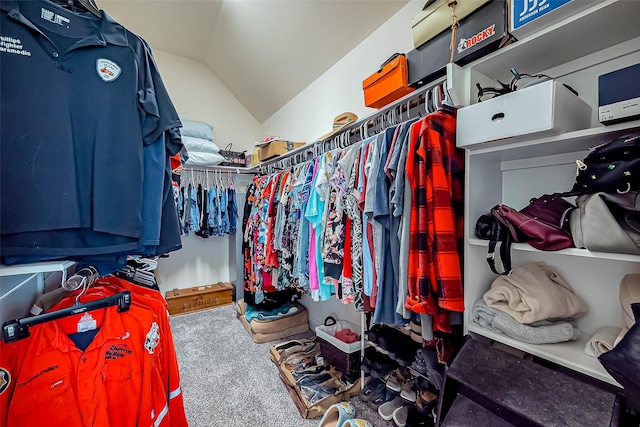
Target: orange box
389, 83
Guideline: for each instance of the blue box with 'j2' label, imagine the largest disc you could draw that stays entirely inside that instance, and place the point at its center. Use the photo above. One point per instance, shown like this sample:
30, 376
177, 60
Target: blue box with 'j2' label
525, 11
531, 16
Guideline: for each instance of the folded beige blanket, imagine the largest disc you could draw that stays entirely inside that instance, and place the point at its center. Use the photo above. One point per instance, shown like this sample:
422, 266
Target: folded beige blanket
535, 292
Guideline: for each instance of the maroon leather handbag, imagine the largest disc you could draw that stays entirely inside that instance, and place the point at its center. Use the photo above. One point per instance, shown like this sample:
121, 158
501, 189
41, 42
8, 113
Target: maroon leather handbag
541, 223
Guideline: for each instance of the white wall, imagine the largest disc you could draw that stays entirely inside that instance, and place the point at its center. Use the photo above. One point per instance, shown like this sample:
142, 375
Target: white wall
310, 114
199, 95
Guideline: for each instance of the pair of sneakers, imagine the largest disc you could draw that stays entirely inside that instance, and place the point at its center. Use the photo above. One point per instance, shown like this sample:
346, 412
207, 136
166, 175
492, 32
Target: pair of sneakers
375, 393
401, 381
396, 410
342, 414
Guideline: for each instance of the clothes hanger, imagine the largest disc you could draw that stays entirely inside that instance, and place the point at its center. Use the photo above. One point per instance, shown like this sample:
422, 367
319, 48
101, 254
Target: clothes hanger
79, 6
220, 181
17, 329
83, 278
231, 185
448, 102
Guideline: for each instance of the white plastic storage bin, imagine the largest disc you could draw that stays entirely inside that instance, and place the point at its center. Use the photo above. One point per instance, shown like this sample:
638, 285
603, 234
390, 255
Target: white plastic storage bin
535, 111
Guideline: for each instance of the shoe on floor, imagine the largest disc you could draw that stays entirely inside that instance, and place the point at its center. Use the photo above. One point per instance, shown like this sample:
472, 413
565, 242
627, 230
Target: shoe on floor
289, 347
387, 409
427, 396
380, 396
370, 389
400, 416
415, 418
357, 422
280, 347
337, 415
409, 395
395, 380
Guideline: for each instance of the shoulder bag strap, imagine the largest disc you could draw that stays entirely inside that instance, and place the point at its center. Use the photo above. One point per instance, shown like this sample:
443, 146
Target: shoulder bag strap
505, 238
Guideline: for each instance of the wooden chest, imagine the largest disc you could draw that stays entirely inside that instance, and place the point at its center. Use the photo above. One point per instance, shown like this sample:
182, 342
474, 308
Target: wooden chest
199, 298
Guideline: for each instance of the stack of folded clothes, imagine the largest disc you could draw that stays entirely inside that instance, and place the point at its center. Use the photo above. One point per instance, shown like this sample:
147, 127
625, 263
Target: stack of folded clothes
273, 323
533, 305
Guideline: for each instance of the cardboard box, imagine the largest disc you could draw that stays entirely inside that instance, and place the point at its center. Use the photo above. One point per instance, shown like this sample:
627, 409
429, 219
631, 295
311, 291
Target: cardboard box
255, 157
529, 16
199, 298
316, 409
480, 33
543, 109
276, 148
387, 84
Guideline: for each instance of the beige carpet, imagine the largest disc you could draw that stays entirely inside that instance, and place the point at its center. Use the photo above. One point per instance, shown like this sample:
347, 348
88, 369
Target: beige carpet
228, 380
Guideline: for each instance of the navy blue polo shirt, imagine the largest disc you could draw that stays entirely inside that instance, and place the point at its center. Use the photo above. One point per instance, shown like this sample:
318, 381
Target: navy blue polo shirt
78, 103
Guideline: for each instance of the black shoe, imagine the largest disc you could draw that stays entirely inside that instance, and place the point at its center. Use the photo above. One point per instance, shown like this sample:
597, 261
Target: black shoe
415, 418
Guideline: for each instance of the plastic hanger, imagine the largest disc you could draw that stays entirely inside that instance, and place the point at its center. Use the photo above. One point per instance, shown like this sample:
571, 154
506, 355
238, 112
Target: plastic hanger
231, 184
83, 278
78, 6
18, 329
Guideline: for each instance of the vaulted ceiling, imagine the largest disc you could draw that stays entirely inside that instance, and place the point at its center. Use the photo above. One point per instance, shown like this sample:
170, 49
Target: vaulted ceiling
264, 51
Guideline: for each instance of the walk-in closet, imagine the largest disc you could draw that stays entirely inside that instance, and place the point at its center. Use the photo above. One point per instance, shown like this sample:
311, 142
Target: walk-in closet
345, 213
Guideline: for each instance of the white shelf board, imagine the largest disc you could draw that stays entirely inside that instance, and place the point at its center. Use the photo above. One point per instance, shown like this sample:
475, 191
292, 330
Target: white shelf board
524, 147
602, 25
288, 154
40, 267
569, 252
569, 354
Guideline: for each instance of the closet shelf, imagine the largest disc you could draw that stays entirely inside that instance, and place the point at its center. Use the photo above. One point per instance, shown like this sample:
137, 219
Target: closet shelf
568, 354
525, 147
569, 252
602, 25
40, 267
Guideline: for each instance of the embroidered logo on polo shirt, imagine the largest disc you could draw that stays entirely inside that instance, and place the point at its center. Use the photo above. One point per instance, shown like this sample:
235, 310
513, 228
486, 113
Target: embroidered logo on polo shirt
107, 70
153, 338
5, 380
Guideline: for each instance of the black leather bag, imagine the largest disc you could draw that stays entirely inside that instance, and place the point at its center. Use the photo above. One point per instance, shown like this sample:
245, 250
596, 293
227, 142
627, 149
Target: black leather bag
610, 168
624, 360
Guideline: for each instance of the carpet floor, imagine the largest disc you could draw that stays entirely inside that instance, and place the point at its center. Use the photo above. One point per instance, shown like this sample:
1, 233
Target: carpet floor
228, 380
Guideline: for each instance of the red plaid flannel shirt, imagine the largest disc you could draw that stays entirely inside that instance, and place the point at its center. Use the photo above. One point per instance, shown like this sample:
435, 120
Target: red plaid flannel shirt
435, 168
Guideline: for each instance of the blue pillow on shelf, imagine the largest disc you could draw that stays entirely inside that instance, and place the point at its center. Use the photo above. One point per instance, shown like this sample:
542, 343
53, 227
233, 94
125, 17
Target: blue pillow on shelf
197, 129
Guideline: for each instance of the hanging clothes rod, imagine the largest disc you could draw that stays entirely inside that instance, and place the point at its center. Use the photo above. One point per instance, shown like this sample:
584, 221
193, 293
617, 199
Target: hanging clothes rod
401, 110
219, 168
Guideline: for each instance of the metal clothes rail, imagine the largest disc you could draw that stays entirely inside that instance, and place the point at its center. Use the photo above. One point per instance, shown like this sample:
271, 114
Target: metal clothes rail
412, 105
